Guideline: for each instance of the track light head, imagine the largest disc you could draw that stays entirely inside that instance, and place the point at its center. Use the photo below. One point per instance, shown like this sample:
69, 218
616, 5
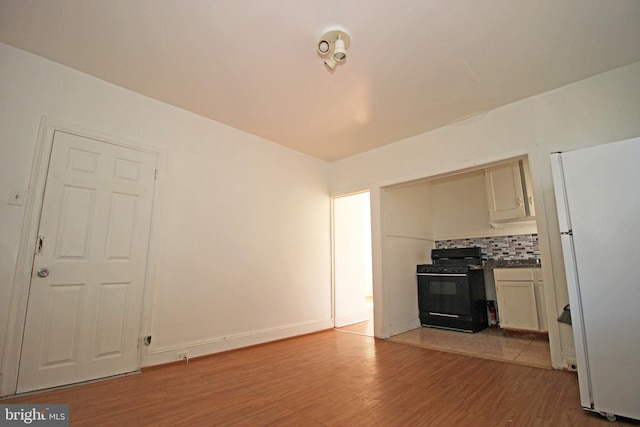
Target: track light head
339, 50
323, 47
330, 63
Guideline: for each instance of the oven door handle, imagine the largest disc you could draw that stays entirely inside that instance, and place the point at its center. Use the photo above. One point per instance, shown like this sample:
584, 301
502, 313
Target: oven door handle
443, 274
443, 314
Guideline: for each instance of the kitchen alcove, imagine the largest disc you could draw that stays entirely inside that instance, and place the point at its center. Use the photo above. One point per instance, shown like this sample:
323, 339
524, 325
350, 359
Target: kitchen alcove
417, 215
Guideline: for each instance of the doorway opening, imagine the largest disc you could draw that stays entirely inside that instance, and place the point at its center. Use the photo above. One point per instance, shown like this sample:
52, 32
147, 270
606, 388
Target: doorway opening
352, 264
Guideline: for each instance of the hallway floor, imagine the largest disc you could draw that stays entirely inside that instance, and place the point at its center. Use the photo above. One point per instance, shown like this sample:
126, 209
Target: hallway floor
362, 328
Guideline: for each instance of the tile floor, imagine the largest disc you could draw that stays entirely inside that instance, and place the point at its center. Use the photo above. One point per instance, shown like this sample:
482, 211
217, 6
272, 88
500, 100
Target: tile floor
487, 344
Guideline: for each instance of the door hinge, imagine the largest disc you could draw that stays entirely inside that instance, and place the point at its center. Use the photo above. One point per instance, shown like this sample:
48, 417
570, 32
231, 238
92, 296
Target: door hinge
155, 174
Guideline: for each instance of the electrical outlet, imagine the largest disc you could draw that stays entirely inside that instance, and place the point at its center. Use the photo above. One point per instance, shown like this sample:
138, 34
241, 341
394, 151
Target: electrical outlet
16, 197
183, 355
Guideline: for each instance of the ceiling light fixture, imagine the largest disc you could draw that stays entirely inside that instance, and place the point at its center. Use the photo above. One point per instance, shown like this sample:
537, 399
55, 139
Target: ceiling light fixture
333, 47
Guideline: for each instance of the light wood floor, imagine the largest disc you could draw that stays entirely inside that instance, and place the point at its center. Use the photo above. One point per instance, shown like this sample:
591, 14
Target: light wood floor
330, 378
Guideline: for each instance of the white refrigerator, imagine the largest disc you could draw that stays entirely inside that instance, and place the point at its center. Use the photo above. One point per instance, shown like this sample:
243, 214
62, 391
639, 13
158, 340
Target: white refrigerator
598, 200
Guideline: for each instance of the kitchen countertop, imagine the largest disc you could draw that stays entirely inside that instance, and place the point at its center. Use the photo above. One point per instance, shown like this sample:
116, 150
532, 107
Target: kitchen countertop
513, 263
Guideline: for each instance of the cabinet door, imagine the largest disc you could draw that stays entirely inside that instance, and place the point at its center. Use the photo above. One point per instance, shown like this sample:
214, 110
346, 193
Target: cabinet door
505, 193
517, 305
528, 188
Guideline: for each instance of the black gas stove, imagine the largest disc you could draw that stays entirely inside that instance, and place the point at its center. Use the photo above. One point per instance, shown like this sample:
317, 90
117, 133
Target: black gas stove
451, 292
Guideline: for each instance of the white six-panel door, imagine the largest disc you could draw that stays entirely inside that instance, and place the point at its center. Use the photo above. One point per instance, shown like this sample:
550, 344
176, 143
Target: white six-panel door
85, 301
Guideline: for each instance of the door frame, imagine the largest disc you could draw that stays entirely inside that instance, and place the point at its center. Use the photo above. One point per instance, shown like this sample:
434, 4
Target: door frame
28, 235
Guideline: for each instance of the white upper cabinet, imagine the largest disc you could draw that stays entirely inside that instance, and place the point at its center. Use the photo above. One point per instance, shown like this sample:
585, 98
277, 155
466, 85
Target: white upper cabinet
509, 192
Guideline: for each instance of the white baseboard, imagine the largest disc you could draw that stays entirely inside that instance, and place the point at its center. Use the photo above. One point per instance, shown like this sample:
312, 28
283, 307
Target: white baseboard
404, 327
204, 348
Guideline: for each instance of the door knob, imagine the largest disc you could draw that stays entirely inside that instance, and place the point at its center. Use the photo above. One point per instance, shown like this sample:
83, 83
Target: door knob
43, 272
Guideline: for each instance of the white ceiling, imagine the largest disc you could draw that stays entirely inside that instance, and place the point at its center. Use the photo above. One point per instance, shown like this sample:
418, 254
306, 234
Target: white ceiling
413, 65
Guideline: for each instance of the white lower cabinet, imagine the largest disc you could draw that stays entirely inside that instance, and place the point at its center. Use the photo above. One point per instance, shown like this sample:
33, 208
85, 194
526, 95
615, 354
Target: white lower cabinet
520, 294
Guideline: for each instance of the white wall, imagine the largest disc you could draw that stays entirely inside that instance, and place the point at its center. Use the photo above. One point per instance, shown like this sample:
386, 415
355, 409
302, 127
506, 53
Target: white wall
242, 249
406, 242
407, 211
460, 206
597, 110
460, 209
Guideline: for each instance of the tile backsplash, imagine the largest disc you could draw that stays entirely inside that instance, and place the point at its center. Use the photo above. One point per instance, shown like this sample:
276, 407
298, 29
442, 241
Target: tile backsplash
505, 248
